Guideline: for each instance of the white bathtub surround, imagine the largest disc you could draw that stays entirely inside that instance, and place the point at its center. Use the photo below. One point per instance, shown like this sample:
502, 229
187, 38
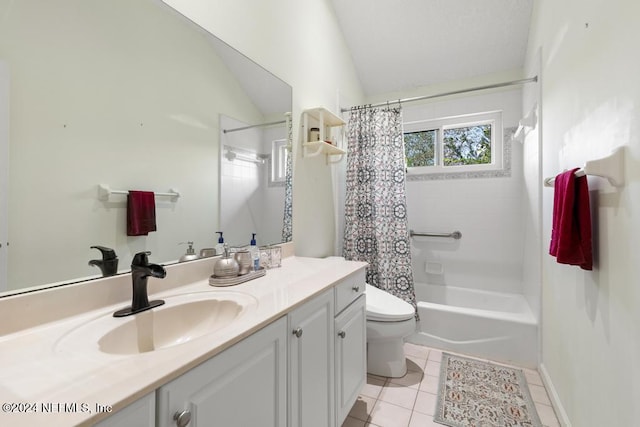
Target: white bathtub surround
493, 260
487, 209
494, 325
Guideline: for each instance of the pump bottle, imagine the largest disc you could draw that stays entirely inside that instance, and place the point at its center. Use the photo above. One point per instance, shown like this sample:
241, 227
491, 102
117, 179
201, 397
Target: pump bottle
220, 245
255, 253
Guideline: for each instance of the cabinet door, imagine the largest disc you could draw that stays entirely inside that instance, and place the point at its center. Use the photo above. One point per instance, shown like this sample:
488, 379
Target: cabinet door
311, 377
141, 413
243, 386
351, 356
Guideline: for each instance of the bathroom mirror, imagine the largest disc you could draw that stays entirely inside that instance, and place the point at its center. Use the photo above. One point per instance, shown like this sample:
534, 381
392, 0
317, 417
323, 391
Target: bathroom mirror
129, 95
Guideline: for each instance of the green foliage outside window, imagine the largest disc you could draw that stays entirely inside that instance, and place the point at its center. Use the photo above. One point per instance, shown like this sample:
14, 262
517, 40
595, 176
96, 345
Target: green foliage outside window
467, 145
420, 148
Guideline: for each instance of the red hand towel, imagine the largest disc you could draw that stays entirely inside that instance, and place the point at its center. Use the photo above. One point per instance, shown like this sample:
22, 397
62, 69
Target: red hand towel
571, 232
141, 213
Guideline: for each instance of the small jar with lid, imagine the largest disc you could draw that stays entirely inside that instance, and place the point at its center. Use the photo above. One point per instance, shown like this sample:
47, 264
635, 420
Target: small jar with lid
314, 134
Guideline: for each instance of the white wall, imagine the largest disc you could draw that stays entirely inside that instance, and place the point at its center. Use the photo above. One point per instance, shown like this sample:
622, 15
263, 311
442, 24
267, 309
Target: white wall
532, 193
87, 111
4, 170
590, 97
488, 211
300, 42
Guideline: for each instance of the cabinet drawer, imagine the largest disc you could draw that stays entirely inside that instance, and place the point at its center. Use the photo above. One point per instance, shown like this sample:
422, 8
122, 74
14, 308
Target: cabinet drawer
349, 289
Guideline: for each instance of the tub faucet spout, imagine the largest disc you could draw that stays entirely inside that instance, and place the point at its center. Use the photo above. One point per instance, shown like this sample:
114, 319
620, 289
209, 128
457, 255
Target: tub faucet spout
141, 270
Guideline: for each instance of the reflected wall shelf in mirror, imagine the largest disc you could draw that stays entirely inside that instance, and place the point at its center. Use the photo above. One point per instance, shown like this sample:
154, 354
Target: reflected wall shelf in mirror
319, 138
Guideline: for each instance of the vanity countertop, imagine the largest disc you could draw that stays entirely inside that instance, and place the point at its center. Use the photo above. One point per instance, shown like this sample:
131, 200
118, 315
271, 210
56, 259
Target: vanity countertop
38, 372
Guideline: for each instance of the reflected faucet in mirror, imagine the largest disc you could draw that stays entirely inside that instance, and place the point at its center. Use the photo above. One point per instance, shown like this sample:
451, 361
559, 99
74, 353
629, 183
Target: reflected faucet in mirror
109, 262
141, 270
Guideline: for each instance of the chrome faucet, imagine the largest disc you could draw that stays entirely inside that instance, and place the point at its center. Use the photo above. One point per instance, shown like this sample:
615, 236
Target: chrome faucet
141, 270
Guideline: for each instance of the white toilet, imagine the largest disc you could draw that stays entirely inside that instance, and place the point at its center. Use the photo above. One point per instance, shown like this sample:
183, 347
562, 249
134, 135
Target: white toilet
389, 321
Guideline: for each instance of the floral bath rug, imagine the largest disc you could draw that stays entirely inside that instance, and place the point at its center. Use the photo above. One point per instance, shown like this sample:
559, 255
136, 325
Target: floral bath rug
473, 393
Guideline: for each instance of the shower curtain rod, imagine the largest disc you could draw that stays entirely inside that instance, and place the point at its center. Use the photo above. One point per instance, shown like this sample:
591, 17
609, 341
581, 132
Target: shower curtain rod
455, 92
254, 126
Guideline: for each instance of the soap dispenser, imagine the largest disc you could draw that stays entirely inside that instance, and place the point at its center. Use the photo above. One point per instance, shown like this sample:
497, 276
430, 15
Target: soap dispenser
226, 266
255, 252
220, 245
190, 255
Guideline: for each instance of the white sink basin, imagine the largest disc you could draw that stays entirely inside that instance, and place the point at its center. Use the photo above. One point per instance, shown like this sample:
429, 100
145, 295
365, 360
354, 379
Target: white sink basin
181, 319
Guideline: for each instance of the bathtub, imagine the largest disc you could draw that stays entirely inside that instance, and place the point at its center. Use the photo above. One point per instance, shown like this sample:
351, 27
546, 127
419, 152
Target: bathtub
492, 325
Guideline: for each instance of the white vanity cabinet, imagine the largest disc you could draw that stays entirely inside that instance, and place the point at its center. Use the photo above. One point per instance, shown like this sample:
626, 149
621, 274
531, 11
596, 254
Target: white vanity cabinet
306, 369
350, 343
141, 413
245, 385
311, 359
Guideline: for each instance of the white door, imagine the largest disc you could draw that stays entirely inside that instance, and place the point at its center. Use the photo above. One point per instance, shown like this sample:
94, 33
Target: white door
4, 172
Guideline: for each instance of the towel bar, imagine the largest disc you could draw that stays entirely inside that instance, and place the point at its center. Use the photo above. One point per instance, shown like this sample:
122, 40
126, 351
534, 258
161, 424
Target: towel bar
610, 167
104, 192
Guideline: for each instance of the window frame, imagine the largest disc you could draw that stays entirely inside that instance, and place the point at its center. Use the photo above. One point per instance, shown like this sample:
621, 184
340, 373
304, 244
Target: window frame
279, 153
494, 118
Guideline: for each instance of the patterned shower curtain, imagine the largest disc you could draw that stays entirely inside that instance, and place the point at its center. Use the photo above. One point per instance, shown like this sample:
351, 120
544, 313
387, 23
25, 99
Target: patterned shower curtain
287, 220
376, 229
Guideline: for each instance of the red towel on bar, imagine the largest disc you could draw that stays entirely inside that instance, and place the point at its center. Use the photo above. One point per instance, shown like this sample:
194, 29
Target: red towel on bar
141, 213
571, 232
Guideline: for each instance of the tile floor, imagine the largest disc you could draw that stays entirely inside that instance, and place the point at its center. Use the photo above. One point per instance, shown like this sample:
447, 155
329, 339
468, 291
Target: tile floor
410, 401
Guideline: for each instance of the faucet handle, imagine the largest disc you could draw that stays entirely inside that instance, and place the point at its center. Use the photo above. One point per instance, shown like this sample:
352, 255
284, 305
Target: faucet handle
107, 253
141, 259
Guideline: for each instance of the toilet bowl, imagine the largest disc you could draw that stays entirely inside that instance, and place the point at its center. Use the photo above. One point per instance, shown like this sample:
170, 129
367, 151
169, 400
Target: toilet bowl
389, 321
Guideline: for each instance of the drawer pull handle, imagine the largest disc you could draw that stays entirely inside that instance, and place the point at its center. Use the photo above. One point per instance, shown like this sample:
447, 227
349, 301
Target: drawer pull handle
297, 332
182, 418
356, 288
342, 334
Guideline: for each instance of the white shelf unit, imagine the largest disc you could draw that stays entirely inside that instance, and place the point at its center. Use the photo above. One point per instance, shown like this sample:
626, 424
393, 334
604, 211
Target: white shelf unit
325, 121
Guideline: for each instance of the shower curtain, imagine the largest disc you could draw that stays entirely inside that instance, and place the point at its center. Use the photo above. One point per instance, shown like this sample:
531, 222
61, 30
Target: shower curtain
376, 229
287, 220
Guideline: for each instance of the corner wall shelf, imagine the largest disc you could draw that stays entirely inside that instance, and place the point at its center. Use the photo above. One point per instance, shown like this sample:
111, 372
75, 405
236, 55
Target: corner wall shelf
326, 143
313, 148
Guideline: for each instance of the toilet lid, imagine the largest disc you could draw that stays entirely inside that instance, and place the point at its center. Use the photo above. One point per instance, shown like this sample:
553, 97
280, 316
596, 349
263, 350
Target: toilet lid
382, 306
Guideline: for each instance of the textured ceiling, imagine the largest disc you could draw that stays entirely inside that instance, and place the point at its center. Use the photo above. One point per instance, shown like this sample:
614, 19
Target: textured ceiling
398, 45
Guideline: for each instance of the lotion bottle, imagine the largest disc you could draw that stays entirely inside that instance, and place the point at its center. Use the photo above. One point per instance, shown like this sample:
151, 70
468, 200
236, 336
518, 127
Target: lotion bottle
255, 253
220, 245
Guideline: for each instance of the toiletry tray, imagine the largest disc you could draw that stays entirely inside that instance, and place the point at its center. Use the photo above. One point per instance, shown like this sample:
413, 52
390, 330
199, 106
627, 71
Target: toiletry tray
231, 281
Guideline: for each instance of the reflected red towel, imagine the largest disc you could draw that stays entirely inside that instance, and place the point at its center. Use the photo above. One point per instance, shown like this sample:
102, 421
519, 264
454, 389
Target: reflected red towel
571, 231
141, 213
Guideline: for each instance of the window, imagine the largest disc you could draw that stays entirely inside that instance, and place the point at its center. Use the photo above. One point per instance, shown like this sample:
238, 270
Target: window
454, 144
279, 153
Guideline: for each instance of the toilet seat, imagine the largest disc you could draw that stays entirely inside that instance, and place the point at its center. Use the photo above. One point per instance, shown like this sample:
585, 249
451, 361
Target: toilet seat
384, 307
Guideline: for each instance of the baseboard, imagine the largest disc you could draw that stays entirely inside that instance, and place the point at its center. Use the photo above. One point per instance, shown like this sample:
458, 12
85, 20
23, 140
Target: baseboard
563, 418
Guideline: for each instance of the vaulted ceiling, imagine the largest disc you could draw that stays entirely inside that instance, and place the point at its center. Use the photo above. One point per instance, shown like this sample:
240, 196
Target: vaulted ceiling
398, 45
